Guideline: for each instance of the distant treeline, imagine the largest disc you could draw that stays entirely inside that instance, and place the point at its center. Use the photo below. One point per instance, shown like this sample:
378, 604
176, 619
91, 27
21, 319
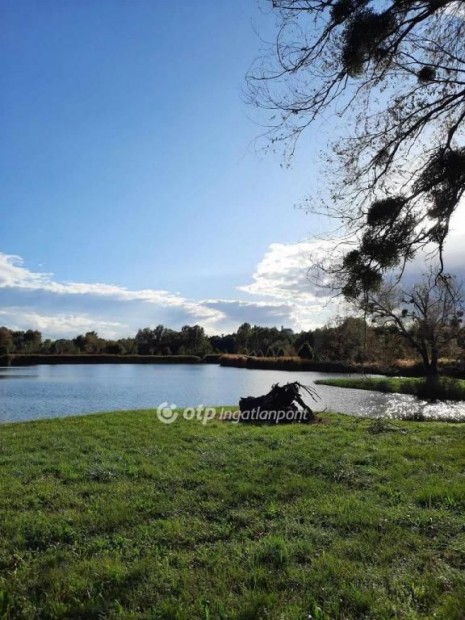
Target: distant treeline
348, 341
31, 359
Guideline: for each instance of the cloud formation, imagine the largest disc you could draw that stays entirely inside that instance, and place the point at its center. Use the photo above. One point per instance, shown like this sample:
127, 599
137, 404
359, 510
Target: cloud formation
58, 325
283, 273
59, 309
280, 293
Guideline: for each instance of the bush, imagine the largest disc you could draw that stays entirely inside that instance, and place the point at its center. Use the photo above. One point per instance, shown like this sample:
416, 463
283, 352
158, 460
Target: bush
306, 351
446, 388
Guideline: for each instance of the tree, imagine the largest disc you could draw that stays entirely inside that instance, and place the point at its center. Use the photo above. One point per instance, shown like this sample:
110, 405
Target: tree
144, 341
89, 342
242, 338
224, 343
194, 341
6, 341
114, 348
158, 338
46, 347
63, 346
395, 71
428, 315
32, 340
306, 351
349, 339
128, 345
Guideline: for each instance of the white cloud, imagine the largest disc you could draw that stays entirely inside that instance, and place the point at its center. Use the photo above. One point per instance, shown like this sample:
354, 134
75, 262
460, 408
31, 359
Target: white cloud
454, 251
37, 300
91, 300
14, 275
64, 309
283, 273
281, 293
455, 244
58, 325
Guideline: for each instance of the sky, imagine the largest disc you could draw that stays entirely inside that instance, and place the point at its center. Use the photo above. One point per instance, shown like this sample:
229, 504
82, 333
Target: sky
132, 188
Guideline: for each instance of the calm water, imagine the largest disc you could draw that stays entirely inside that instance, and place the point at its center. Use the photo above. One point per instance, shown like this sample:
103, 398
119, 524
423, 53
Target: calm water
55, 391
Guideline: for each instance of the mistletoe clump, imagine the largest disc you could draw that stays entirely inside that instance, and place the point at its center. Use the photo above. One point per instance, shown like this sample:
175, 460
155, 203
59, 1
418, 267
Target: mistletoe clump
365, 32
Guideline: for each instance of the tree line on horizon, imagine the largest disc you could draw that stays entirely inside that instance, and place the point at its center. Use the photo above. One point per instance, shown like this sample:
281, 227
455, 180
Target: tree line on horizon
348, 339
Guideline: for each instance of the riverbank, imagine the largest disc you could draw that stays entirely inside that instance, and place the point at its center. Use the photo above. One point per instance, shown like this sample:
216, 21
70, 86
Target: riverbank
236, 361
449, 389
297, 363
117, 515
233, 361
34, 360
284, 363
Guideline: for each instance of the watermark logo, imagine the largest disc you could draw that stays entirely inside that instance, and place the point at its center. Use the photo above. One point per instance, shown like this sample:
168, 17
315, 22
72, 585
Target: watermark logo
167, 413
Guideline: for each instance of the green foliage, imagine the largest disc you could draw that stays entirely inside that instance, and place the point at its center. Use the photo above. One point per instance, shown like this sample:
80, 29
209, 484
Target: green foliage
224, 343
6, 341
191, 340
443, 388
270, 341
348, 340
306, 351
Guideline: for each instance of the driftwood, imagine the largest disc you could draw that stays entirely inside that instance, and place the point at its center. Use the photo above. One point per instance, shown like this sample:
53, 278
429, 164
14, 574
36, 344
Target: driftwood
283, 404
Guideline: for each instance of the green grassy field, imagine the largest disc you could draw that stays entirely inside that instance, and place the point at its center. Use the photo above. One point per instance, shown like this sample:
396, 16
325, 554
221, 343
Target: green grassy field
120, 516
450, 388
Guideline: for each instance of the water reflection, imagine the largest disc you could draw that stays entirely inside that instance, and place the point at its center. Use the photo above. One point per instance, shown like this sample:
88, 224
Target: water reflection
402, 406
368, 404
16, 373
56, 391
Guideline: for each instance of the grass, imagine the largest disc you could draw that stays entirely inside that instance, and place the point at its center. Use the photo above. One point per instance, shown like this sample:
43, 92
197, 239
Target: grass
449, 388
119, 516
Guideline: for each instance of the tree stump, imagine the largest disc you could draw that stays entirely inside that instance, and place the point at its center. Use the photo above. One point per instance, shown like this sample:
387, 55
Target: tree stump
282, 405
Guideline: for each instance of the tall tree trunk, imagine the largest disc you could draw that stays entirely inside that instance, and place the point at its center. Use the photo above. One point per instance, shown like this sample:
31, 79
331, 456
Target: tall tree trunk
432, 375
434, 361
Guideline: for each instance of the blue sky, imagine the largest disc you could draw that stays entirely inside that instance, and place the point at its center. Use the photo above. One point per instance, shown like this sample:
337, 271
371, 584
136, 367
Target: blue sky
128, 158
131, 188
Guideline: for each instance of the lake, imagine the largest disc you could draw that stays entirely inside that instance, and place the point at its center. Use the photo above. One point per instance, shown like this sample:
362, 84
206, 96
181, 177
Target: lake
34, 392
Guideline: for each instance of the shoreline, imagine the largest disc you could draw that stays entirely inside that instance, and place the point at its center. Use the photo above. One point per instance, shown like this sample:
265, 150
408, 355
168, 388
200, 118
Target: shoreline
104, 358
291, 364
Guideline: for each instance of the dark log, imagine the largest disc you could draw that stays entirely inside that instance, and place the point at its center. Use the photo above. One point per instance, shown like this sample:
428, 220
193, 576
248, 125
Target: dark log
283, 404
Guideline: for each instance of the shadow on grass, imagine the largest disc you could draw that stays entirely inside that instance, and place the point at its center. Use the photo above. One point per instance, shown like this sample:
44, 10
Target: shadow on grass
446, 388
